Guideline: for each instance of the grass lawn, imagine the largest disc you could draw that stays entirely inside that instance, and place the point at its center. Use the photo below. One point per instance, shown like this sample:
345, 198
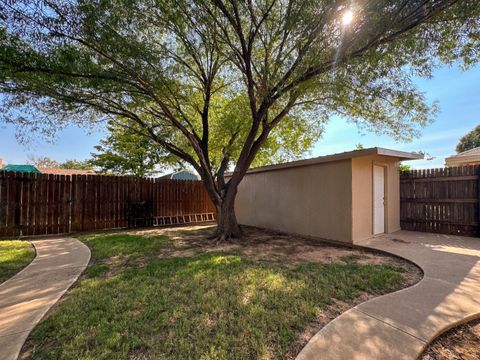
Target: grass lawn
14, 256
139, 299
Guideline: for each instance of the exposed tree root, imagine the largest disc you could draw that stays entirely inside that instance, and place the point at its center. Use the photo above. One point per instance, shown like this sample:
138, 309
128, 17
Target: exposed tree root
220, 237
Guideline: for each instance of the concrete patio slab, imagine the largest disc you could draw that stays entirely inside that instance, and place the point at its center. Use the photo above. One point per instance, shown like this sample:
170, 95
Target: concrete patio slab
27, 296
399, 325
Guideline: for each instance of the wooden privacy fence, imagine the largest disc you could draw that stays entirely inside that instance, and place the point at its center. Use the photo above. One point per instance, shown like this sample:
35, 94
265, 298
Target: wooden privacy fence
37, 204
441, 200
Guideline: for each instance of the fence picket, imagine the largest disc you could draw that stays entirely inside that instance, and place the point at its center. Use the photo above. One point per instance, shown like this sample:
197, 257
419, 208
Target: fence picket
38, 204
441, 200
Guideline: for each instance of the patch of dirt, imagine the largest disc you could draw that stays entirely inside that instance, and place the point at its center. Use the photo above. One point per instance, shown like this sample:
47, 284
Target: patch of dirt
273, 246
139, 352
269, 245
461, 342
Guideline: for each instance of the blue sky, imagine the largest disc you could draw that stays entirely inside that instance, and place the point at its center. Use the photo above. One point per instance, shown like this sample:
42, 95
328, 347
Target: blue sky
457, 92
458, 96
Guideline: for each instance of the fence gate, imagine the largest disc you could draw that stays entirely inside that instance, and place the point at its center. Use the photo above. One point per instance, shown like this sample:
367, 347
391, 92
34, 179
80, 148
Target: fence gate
441, 200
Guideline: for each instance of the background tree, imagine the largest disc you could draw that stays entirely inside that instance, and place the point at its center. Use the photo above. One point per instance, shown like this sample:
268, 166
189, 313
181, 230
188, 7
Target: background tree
125, 152
76, 164
469, 141
47, 162
405, 167
42, 162
175, 70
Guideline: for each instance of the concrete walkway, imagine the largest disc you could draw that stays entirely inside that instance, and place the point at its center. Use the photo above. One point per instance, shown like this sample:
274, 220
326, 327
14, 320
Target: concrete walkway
399, 325
26, 297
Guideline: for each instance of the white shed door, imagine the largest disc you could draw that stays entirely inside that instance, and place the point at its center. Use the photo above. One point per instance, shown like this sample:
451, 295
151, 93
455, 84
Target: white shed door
378, 200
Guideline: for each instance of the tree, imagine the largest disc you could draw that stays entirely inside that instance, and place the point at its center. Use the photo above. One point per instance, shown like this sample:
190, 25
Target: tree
405, 167
469, 141
125, 152
46, 162
77, 164
175, 70
43, 162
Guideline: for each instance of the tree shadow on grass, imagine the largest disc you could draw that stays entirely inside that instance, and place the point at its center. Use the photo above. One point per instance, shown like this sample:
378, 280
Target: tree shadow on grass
212, 306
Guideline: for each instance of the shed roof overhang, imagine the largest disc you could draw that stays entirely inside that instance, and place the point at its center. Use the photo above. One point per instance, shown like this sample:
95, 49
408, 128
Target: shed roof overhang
400, 155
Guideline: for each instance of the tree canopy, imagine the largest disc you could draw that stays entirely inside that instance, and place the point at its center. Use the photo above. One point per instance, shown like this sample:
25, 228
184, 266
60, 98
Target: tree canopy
469, 141
179, 71
125, 152
47, 162
43, 162
76, 164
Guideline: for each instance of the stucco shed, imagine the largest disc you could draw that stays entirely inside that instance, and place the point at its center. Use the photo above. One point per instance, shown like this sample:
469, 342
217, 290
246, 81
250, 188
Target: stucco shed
343, 197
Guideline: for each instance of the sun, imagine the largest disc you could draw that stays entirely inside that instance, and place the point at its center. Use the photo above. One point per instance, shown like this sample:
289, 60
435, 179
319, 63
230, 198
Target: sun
347, 17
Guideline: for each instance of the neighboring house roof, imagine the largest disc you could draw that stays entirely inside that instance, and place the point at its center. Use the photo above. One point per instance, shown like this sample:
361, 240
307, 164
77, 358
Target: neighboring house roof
401, 155
181, 175
20, 168
469, 157
58, 171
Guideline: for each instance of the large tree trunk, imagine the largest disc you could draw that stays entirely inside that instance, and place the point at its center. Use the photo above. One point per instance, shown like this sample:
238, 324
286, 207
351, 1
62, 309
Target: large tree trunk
223, 196
227, 225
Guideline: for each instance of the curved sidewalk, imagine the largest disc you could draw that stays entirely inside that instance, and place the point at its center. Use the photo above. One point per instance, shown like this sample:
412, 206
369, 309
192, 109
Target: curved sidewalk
27, 296
399, 325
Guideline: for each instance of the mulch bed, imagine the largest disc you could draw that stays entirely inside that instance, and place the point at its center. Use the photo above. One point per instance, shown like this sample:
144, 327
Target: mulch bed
461, 342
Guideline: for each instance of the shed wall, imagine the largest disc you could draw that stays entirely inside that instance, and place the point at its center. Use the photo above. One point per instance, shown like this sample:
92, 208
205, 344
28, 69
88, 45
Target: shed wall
314, 200
362, 195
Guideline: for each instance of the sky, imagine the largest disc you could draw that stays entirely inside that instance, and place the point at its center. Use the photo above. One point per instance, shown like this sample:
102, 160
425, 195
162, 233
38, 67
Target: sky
458, 96
457, 93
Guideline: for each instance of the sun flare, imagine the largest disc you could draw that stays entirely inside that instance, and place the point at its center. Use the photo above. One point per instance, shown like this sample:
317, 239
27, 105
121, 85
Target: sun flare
347, 17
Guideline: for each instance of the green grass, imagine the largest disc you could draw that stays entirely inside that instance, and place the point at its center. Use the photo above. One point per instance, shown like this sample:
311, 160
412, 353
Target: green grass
211, 306
14, 256
105, 246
